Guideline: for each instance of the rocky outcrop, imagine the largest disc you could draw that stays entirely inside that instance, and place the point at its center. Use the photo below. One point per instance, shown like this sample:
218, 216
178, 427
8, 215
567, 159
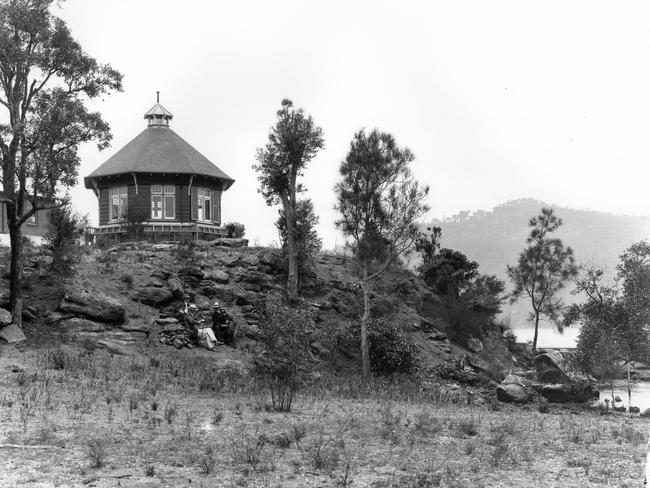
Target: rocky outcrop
80, 324
151, 295
569, 393
94, 306
474, 345
217, 275
176, 287
12, 333
250, 260
5, 317
512, 393
550, 368
513, 390
273, 259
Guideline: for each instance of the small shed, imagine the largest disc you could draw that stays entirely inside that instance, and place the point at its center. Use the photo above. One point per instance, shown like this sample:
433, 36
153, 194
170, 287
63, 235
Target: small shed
160, 185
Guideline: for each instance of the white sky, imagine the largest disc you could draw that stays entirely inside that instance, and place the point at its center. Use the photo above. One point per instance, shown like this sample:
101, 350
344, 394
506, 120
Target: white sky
497, 100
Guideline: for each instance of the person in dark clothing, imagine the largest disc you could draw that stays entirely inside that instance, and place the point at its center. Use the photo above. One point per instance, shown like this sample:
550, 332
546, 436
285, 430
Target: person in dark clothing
222, 325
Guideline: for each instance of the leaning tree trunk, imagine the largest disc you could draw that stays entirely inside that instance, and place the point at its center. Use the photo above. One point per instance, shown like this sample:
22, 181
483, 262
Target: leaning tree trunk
16, 273
365, 349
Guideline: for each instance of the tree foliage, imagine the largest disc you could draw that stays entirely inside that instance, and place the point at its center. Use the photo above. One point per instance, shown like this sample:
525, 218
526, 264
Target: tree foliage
448, 273
390, 351
542, 270
379, 202
45, 80
235, 230
66, 228
293, 141
472, 300
308, 244
614, 317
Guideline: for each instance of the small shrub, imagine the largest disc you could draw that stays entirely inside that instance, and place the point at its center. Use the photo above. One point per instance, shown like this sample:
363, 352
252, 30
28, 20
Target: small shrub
543, 405
185, 254
208, 461
217, 416
323, 452
96, 452
127, 279
56, 359
170, 413
299, 432
249, 449
62, 239
150, 471
468, 427
234, 229
390, 352
425, 424
284, 362
390, 426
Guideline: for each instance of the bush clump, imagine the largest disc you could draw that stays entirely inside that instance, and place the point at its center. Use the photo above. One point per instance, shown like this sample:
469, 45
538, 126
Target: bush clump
65, 229
235, 229
185, 254
390, 352
284, 363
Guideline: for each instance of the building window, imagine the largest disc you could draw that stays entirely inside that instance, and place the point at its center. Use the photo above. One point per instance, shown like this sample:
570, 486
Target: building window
118, 203
163, 202
204, 204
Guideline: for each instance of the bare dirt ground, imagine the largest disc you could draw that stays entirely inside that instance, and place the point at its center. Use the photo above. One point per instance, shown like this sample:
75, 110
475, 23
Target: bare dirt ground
81, 417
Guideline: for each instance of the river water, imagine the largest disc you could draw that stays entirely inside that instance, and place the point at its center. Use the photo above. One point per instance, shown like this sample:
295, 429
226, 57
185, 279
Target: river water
551, 338
640, 393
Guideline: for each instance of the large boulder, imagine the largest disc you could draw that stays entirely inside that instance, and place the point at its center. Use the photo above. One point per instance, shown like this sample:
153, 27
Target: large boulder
176, 287
94, 306
80, 324
512, 393
5, 317
151, 295
229, 260
250, 260
12, 333
474, 345
217, 275
550, 368
272, 259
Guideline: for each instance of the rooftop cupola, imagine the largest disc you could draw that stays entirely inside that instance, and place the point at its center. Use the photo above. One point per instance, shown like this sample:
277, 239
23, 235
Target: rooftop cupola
158, 116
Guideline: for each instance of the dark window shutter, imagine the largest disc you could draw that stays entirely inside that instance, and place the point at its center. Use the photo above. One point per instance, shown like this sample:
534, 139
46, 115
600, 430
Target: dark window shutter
216, 207
194, 204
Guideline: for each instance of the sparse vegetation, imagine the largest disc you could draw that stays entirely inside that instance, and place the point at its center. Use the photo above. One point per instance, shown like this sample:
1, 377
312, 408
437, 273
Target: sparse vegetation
234, 230
339, 434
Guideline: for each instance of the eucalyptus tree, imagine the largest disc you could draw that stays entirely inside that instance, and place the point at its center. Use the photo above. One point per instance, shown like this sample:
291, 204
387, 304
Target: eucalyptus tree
46, 79
293, 141
379, 202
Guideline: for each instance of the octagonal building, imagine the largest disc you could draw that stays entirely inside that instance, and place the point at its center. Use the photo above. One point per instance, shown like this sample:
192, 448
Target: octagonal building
158, 183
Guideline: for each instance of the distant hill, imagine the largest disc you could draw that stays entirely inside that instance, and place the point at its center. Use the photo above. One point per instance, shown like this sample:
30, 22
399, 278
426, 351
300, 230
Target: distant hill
495, 238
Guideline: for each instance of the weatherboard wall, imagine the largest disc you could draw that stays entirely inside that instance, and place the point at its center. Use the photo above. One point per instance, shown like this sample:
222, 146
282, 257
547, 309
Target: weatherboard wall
140, 202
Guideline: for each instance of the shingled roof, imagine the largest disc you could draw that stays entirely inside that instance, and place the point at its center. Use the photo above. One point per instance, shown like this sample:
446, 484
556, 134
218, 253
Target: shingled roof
158, 149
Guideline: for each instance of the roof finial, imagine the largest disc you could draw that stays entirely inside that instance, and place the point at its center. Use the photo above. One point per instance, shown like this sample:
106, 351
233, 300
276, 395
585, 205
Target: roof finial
157, 97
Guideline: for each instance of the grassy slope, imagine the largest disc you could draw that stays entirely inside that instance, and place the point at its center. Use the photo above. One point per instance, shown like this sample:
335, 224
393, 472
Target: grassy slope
225, 437
193, 418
